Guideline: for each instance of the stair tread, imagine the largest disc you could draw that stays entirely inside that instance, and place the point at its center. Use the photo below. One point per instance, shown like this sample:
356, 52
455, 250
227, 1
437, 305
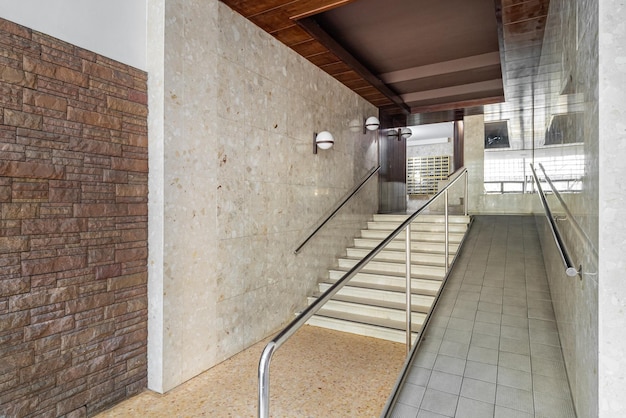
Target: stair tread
396, 251
374, 302
386, 287
413, 262
367, 320
381, 273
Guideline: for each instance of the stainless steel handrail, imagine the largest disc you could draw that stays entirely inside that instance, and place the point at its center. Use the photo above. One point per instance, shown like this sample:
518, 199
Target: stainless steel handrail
338, 207
293, 326
581, 233
570, 270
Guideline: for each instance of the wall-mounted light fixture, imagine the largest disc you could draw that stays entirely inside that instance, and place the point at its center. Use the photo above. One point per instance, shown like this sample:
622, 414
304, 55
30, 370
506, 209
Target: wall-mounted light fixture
370, 124
400, 133
322, 140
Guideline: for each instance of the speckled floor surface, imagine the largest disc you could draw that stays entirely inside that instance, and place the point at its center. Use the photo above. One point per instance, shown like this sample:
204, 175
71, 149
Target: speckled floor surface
317, 373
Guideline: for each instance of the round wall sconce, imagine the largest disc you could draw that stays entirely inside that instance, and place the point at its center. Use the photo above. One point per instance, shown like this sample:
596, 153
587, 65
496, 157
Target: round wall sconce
322, 140
370, 124
400, 133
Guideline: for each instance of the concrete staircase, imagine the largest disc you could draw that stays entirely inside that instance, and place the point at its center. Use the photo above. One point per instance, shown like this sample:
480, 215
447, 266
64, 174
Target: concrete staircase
373, 302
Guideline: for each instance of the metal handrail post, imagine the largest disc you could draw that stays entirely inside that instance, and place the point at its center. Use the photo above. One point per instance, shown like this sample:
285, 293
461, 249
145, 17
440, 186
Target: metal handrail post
447, 239
465, 197
408, 288
264, 380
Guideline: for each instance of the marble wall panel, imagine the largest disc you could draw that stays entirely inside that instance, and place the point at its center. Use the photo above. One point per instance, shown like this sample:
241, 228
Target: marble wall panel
612, 199
571, 40
238, 184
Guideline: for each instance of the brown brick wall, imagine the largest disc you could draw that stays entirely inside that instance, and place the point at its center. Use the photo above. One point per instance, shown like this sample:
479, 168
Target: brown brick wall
73, 227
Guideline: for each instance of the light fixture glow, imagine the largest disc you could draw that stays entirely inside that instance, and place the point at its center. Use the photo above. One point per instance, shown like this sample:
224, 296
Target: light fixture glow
400, 133
322, 140
371, 124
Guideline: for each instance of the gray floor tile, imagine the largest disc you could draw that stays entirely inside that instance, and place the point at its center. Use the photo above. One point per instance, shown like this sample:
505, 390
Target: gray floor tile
489, 307
515, 310
512, 398
485, 328
445, 382
545, 337
548, 368
412, 395
547, 406
511, 345
515, 379
418, 376
479, 390
428, 414
515, 333
469, 296
458, 336
552, 386
404, 411
439, 402
515, 321
471, 288
548, 352
461, 324
481, 371
514, 361
466, 304
430, 344
513, 301
435, 332
485, 341
483, 355
489, 317
424, 359
540, 324
454, 349
449, 364
470, 408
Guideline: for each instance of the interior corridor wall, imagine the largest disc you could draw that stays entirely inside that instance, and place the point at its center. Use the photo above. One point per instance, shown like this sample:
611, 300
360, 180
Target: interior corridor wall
234, 183
569, 72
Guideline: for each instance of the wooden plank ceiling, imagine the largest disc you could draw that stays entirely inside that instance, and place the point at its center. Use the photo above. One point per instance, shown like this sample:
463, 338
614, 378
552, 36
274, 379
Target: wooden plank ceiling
411, 56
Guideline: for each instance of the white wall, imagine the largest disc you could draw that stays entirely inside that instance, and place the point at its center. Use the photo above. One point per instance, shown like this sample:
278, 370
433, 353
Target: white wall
113, 28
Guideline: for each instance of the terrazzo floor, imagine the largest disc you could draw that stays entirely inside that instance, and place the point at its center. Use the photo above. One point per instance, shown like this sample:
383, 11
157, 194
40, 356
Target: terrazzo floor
492, 349
317, 373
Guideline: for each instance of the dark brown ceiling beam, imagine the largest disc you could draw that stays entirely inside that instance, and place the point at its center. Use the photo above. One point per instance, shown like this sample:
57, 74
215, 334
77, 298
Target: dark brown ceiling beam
446, 67
313, 28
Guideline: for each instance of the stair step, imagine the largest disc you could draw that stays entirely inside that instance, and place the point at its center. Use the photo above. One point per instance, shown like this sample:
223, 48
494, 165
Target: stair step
419, 303
425, 218
417, 227
361, 328
370, 309
400, 306
453, 237
400, 256
430, 247
424, 271
364, 279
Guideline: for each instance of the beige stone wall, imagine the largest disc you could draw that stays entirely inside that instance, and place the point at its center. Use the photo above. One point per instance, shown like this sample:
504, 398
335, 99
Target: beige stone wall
235, 184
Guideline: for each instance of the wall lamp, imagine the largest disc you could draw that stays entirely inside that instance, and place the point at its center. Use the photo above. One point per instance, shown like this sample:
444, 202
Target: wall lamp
370, 124
400, 133
322, 140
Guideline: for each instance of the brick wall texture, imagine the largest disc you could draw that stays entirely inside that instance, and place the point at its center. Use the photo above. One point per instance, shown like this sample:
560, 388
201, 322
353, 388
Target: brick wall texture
73, 227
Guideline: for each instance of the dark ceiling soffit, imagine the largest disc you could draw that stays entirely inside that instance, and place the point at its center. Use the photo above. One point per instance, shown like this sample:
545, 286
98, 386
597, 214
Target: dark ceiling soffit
310, 25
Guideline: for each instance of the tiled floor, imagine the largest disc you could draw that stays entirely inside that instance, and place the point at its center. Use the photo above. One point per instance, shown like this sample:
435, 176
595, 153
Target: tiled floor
317, 373
492, 348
